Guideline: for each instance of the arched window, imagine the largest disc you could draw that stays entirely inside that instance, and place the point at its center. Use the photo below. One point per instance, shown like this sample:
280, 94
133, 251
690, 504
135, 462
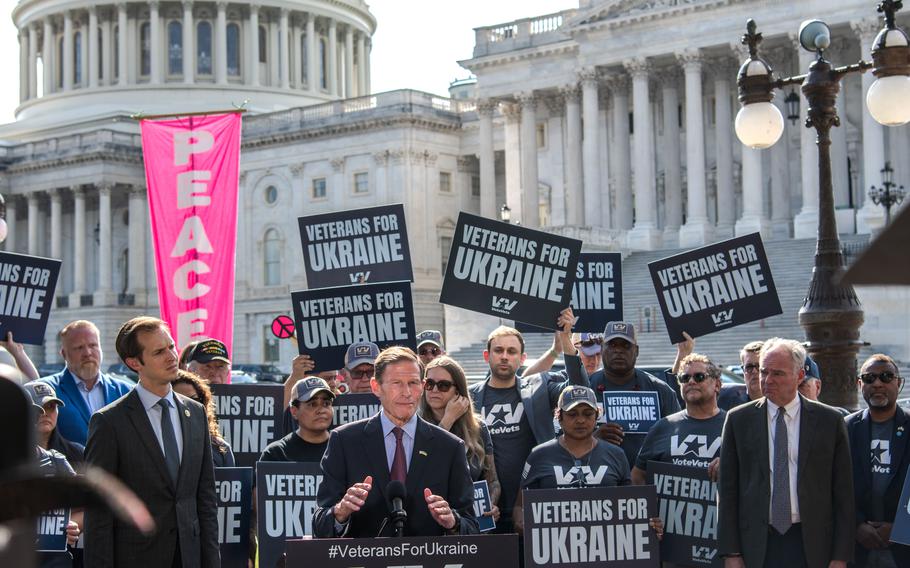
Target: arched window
263, 42
272, 258
174, 48
323, 65
233, 50
77, 57
116, 49
204, 48
145, 42
303, 59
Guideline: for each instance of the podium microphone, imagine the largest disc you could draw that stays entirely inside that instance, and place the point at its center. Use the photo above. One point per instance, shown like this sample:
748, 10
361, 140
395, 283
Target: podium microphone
397, 493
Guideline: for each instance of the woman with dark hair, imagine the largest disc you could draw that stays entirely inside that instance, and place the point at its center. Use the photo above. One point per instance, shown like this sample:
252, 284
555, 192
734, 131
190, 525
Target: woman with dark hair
186, 353
447, 404
191, 386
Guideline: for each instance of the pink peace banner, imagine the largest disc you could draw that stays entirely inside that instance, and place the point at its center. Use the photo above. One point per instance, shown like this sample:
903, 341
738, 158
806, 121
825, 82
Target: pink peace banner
191, 171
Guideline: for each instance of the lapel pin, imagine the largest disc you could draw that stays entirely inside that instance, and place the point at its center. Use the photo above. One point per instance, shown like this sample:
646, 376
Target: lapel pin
423, 453
900, 430
187, 412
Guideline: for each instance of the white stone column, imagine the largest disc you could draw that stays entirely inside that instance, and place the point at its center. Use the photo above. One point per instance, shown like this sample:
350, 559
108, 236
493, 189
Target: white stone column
9, 244
332, 71
79, 238
84, 54
871, 216
697, 231
805, 224
284, 50
669, 81
136, 243
487, 159
840, 176
189, 43
107, 53
221, 44
368, 48
253, 49
32, 61
122, 49
512, 155
33, 222
645, 234
725, 71
621, 164
593, 191
348, 61
575, 204
274, 57
530, 184
296, 61
156, 49
361, 66
105, 285
555, 159
312, 53
68, 59
92, 38
56, 230
23, 65
47, 57
780, 177
753, 219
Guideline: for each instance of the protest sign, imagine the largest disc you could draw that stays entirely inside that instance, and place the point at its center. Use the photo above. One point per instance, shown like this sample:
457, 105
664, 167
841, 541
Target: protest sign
52, 530
27, 285
483, 504
354, 406
250, 418
687, 500
716, 287
900, 531
596, 295
285, 502
330, 319
635, 411
590, 526
356, 246
234, 492
510, 271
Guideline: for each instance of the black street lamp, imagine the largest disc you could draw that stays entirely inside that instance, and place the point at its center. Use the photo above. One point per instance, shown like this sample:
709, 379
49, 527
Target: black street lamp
887, 196
831, 314
505, 214
792, 102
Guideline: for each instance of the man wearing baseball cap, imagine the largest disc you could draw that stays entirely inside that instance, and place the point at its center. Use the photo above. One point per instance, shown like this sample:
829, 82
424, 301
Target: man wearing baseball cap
45, 399
589, 346
429, 345
358, 365
811, 385
311, 407
620, 352
210, 360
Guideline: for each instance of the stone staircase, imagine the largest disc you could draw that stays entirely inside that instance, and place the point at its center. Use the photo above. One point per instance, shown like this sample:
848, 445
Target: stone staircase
791, 266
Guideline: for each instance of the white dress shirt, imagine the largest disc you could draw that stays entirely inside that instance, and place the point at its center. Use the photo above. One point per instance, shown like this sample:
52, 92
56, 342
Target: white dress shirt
791, 418
150, 403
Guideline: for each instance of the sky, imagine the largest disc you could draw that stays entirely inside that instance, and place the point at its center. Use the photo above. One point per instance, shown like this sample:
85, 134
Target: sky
416, 44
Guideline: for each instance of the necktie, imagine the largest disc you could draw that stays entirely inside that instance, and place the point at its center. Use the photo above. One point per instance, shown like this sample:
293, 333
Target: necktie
399, 469
780, 491
171, 455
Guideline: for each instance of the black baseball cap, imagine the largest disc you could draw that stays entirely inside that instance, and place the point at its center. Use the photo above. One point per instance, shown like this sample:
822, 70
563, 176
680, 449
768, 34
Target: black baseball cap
210, 350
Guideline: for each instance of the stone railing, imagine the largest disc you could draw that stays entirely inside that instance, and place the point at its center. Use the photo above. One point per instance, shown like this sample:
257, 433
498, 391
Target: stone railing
527, 32
594, 238
73, 143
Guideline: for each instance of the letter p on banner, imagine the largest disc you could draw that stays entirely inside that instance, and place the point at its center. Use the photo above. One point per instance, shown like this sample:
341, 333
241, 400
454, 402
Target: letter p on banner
191, 170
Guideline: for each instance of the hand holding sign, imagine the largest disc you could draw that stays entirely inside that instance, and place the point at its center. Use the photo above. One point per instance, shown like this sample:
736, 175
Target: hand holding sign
564, 324
439, 509
354, 498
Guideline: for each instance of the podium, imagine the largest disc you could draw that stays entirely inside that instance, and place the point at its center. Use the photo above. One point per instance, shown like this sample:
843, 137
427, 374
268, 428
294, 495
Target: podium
474, 551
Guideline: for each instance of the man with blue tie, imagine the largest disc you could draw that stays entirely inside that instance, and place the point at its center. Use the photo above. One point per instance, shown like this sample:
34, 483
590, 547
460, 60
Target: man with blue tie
82, 386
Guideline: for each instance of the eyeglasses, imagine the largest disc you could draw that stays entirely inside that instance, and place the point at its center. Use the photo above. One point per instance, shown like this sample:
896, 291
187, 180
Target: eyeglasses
885, 378
428, 351
684, 378
368, 374
750, 367
441, 386
591, 342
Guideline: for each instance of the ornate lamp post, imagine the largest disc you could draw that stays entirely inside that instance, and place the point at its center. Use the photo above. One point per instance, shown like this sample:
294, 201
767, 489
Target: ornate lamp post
887, 196
831, 314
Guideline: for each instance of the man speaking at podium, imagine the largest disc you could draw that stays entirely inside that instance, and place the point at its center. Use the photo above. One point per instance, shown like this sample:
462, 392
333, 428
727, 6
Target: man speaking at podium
367, 462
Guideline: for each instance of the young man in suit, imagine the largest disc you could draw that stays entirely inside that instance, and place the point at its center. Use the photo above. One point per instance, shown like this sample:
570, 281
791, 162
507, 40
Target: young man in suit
157, 442
786, 488
364, 457
82, 386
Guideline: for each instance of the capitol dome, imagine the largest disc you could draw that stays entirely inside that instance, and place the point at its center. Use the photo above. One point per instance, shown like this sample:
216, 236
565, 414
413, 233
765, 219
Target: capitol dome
76, 62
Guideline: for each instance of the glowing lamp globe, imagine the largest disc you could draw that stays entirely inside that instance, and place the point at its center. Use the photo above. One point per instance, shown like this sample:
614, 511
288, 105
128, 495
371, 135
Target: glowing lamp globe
759, 125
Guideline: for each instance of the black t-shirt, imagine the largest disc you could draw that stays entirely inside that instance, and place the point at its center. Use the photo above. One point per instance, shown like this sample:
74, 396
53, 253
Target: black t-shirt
683, 440
881, 464
503, 413
551, 466
293, 448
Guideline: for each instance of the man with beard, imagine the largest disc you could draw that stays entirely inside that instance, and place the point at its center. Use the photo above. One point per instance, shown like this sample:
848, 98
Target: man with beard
519, 410
878, 448
692, 436
733, 395
620, 351
82, 387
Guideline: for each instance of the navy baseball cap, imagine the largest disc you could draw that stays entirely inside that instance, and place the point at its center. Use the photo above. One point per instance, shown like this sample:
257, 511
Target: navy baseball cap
41, 394
621, 329
572, 396
210, 350
590, 343
360, 353
430, 336
811, 369
308, 387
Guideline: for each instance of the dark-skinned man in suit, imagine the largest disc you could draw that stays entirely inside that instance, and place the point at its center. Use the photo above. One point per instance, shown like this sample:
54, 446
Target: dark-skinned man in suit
786, 488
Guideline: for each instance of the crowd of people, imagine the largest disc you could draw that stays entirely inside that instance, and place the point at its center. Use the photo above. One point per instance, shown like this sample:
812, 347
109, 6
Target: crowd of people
798, 483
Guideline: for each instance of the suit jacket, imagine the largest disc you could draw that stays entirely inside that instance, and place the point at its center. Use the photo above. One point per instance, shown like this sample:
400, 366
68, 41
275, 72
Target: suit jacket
731, 396
824, 484
121, 441
860, 434
73, 419
539, 395
357, 450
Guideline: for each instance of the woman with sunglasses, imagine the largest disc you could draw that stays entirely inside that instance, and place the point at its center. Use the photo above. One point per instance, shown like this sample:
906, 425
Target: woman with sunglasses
445, 402
192, 386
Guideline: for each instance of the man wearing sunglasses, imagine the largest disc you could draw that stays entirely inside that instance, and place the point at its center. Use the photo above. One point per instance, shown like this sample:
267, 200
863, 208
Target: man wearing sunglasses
692, 436
429, 345
878, 446
589, 346
732, 396
358, 365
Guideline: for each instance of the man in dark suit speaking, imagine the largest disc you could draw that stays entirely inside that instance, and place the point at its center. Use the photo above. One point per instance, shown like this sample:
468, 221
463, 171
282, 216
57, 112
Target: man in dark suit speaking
786, 488
363, 457
157, 442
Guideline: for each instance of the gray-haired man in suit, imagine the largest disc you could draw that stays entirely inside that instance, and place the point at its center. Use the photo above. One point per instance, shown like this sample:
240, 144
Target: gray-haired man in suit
157, 442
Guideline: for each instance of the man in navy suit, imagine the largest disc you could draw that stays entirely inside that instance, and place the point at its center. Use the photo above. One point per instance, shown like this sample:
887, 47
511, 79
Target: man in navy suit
394, 445
878, 446
82, 386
